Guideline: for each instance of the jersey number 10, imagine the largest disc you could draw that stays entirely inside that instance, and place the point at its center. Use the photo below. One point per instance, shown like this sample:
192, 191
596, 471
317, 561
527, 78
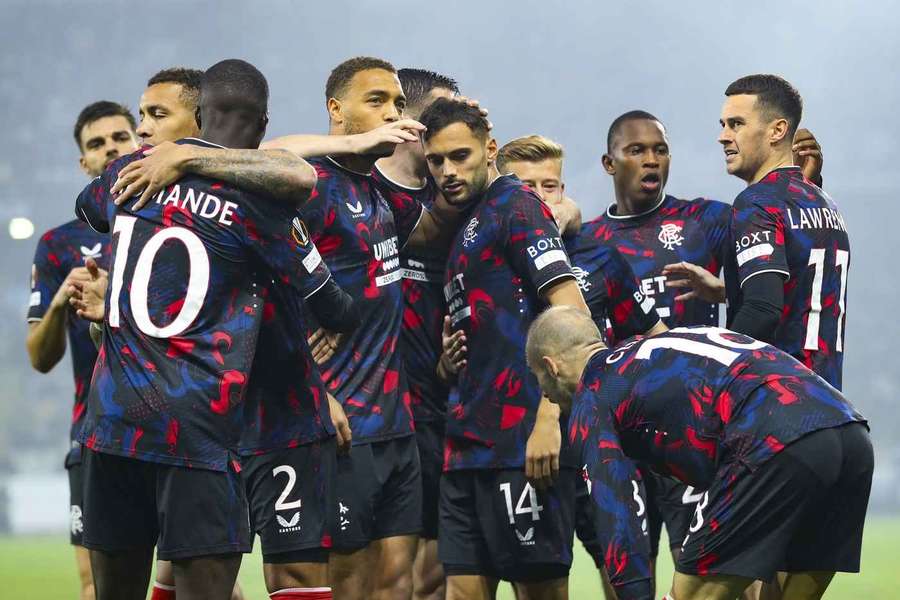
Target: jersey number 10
198, 278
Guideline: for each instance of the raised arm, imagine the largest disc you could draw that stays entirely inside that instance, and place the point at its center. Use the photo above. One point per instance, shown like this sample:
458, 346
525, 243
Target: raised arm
277, 174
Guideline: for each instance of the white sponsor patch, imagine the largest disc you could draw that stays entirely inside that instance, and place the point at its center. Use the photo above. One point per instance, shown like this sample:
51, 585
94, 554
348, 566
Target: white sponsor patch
461, 314
383, 280
415, 275
663, 312
648, 304
35, 299
754, 252
312, 260
548, 258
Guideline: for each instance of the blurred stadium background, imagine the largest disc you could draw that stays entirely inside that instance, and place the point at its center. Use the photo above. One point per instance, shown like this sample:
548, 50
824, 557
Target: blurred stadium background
561, 69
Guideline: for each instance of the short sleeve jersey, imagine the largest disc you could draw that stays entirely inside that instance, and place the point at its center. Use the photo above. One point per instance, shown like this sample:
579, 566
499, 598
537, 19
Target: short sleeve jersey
352, 225
694, 231
183, 310
423, 305
508, 251
697, 403
611, 290
59, 251
786, 224
285, 405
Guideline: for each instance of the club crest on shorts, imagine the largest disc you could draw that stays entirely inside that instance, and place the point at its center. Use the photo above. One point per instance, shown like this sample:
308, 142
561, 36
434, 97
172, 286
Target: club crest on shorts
75, 522
670, 235
299, 232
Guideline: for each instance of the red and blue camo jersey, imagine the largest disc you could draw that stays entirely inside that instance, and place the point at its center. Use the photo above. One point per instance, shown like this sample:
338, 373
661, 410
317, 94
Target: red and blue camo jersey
285, 405
694, 231
183, 310
58, 252
611, 290
506, 254
785, 224
423, 305
351, 223
697, 403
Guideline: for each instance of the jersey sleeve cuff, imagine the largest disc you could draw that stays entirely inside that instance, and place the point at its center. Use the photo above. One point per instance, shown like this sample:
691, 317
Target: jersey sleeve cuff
554, 279
786, 274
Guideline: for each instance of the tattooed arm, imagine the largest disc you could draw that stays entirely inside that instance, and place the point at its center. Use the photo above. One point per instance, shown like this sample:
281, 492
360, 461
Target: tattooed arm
276, 173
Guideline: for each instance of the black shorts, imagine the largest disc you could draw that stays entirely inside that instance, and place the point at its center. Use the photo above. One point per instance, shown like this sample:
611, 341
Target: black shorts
586, 526
185, 513
379, 493
803, 510
291, 493
76, 504
669, 502
494, 523
430, 439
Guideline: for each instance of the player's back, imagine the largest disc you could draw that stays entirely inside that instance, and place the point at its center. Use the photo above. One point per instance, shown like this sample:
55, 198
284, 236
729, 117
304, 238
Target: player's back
183, 311
785, 223
692, 399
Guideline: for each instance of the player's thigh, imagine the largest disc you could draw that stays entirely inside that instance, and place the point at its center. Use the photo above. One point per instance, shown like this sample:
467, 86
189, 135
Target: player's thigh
357, 488
528, 532
398, 504
829, 537
393, 562
349, 573
430, 440
745, 522
201, 513
206, 577
712, 587
291, 494
299, 569
123, 574
471, 587
119, 503
428, 573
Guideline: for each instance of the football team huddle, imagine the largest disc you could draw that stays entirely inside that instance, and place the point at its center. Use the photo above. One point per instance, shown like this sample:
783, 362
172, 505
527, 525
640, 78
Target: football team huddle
397, 354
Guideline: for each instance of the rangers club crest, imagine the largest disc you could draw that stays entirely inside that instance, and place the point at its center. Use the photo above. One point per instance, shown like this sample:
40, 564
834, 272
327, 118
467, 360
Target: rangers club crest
469, 235
670, 235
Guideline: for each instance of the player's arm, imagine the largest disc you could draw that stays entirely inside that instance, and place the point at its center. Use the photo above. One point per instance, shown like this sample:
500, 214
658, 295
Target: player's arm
630, 311
568, 216
276, 174
762, 267
370, 142
620, 503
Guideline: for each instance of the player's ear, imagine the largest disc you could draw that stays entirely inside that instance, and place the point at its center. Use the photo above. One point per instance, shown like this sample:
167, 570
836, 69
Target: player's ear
335, 110
778, 131
83, 164
551, 366
491, 150
197, 118
608, 165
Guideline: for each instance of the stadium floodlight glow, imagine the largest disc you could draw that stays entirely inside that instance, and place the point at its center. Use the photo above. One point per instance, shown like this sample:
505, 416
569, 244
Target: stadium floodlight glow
20, 228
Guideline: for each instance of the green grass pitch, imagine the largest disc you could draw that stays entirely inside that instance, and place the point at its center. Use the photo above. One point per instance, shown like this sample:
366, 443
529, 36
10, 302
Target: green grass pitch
43, 568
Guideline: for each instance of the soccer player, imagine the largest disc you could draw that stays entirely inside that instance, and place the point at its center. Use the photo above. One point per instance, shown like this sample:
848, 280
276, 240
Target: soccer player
360, 234
652, 229
786, 460
403, 177
787, 279
610, 288
103, 132
505, 264
168, 106
164, 410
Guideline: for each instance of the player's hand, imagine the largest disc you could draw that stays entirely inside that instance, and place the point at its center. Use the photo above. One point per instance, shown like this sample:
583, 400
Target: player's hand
453, 355
542, 449
382, 140
76, 275
88, 297
162, 165
475, 104
341, 424
808, 155
699, 282
567, 216
323, 344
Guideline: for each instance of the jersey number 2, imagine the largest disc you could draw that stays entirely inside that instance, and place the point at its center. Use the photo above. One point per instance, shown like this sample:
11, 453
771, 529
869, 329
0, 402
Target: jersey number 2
198, 278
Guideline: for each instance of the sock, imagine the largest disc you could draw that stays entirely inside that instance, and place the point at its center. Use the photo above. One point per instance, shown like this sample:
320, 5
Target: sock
162, 591
319, 593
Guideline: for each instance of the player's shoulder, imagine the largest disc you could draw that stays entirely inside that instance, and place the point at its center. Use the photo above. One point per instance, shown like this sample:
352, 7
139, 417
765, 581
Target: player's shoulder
68, 231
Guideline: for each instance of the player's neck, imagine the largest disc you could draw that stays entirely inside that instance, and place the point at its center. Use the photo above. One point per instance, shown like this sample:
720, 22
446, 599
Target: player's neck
777, 160
404, 167
627, 206
358, 163
227, 133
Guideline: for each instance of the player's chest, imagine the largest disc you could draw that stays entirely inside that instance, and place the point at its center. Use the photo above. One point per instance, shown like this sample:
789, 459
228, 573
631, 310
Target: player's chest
75, 250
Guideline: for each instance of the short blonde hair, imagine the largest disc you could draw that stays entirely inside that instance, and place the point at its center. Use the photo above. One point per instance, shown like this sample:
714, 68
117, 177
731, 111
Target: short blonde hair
529, 148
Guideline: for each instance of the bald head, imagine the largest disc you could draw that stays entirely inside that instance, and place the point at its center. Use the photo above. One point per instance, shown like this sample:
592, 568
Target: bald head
558, 331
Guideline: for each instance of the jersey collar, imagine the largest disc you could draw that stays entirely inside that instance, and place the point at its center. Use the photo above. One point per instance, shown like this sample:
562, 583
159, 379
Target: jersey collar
611, 215
200, 142
343, 168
